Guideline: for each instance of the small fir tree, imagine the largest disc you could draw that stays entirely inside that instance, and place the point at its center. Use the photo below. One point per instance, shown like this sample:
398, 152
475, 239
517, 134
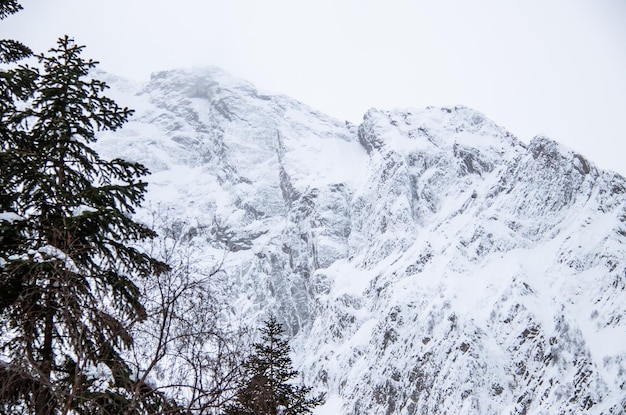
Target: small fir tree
67, 253
266, 387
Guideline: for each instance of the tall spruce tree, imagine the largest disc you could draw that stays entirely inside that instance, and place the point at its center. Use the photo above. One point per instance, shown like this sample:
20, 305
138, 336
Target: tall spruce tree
68, 256
10, 51
266, 387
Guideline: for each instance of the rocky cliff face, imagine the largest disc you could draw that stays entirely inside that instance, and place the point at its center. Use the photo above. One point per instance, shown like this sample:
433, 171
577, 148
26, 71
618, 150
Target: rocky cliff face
426, 261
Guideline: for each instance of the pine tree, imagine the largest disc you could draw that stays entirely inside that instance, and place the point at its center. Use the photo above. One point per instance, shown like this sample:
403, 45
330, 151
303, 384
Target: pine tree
68, 254
266, 387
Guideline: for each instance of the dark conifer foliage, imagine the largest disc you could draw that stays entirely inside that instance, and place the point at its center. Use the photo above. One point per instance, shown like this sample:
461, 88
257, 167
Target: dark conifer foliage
11, 50
266, 387
67, 259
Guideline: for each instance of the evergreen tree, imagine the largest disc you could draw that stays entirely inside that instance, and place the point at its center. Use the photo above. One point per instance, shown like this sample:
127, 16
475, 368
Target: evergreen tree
265, 388
11, 50
67, 253
10, 88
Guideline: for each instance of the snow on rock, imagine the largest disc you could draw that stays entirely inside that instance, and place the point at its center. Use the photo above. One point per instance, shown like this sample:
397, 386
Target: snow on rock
425, 262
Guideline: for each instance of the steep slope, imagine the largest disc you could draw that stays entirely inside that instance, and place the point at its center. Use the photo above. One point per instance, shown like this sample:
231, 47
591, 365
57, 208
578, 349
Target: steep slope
493, 275
262, 180
425, 262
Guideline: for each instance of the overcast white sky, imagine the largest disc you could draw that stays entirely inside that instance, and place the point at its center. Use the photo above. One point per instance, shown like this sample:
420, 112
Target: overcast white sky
553, 67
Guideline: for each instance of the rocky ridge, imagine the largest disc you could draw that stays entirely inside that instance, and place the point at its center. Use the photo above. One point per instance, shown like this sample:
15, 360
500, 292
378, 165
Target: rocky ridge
425, 261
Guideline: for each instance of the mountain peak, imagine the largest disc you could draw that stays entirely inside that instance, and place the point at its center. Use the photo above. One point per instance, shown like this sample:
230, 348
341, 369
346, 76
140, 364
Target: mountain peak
435, 127
426, 261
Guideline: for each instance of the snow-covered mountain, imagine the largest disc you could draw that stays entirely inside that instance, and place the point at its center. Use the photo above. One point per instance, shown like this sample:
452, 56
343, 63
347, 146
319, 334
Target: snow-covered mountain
425, 261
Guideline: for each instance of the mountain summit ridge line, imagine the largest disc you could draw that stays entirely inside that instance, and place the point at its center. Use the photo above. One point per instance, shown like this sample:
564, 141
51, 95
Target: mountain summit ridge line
425, 261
